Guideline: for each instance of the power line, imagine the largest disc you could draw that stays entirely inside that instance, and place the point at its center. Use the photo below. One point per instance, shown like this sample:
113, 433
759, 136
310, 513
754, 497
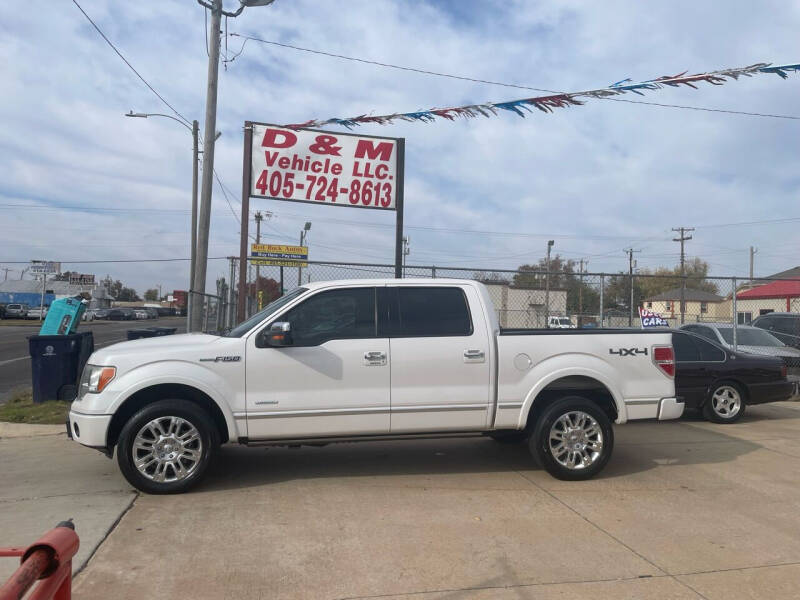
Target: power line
130, 66
246, 38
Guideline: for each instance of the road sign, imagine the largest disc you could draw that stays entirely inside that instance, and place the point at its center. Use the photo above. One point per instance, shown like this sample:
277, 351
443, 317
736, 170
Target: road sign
278, 255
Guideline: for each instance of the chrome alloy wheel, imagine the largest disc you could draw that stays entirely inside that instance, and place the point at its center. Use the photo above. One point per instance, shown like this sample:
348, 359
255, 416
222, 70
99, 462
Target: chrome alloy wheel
167, 449
576, 440
726, 401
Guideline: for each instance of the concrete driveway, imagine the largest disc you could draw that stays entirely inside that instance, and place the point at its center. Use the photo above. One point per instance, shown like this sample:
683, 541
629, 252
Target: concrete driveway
684, 510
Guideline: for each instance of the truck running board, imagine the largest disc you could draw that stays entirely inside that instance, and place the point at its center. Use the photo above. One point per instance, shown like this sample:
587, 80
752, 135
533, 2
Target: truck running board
322, 441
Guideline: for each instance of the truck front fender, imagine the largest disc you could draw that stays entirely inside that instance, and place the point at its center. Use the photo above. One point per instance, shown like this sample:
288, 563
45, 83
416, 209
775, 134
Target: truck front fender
179, 372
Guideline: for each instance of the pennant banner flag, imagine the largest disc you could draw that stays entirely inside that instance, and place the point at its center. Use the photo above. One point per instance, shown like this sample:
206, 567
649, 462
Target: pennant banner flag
549, 103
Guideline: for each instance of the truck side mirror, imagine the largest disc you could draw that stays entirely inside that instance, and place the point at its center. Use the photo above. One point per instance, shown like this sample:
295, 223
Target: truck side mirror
279, 335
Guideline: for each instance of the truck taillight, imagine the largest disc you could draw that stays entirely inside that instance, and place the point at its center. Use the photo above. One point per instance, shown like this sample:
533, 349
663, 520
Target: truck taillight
664, 359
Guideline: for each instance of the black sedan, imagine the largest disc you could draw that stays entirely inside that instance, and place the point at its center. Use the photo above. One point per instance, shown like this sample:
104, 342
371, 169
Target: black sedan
721, 383
121, 314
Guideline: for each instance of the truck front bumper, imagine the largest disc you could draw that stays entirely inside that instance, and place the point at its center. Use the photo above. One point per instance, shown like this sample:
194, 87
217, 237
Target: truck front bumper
669, 408
89, 430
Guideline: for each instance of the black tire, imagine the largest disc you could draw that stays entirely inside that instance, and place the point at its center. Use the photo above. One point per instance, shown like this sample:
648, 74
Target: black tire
717, 413
187, 415
553, 462
510, 437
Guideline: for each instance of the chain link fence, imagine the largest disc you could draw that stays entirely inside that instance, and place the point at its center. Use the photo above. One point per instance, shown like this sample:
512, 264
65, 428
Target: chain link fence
722, 309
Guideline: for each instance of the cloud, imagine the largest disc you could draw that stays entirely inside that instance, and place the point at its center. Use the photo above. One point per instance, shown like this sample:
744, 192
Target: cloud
596, 178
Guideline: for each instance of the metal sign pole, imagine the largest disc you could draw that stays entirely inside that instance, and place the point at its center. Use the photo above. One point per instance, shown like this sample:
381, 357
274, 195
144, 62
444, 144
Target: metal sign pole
398, 234
247, 167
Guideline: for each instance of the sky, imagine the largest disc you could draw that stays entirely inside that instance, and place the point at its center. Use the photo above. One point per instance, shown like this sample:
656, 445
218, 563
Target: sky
81, 182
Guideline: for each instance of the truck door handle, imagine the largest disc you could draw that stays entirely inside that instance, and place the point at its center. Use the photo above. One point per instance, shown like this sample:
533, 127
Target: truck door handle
474, 356
376, 358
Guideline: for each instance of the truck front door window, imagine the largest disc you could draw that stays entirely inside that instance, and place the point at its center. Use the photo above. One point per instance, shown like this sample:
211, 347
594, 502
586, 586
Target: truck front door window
333, 315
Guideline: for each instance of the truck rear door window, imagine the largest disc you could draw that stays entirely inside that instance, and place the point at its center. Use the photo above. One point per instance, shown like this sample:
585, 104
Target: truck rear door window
432, 312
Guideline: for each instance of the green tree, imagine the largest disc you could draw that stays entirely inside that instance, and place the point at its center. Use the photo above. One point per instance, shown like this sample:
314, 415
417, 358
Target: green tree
151, 295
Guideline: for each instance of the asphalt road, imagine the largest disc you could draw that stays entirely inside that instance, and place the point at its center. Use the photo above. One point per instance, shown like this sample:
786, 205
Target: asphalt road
15, 363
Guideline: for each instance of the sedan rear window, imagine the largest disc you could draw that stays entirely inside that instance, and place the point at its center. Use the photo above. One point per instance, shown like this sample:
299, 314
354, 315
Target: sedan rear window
750, 336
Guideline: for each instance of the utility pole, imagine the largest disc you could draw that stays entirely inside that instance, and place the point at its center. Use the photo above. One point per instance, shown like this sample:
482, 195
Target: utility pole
259, 216
630, 252
406, 251
683, 238
231, 292
209, 130
547, 286
193, 265
303, 235
580, 288
753, 252
7, 269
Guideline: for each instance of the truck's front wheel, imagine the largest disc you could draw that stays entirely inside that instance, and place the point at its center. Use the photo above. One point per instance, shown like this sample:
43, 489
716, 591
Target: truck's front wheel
166, 447
573, 439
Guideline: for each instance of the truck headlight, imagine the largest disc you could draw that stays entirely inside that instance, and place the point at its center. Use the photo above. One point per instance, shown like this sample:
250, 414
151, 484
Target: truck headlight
95, 379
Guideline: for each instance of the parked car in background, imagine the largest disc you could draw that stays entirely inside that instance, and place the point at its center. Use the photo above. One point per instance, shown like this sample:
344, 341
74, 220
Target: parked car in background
98, 313
121, 314
721, 383
140, 313
559, 323
16, 311
37, 312
88, 315
2, 311
152, 313
784, 326
748, 339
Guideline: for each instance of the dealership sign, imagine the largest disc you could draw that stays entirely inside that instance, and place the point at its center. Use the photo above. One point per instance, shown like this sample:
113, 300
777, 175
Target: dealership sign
278, 255
651, 319
322, 167
39, 267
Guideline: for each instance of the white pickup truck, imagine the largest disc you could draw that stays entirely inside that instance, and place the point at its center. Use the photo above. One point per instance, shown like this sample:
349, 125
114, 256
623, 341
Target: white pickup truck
370, 360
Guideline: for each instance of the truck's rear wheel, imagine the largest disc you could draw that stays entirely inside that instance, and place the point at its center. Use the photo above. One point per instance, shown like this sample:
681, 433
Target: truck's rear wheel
573, 439
166, 447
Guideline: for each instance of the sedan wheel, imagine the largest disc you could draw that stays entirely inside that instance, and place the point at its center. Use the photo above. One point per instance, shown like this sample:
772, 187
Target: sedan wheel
725, 405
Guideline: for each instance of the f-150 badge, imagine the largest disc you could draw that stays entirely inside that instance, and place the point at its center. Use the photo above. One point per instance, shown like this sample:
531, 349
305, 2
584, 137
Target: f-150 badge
628, 351
222, 359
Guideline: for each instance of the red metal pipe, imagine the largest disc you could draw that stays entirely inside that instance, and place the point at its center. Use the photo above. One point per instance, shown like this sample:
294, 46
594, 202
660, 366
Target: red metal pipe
50, 559
31, 569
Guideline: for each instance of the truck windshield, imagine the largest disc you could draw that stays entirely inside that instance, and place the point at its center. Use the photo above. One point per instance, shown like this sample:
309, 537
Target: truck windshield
247, 325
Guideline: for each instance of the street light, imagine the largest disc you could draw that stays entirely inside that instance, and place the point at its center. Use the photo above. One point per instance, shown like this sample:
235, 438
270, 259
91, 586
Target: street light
550, 244
204, 224
195, 151
303, 234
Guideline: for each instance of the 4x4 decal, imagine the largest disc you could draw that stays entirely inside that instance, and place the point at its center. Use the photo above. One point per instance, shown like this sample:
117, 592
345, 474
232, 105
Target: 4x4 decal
628, 351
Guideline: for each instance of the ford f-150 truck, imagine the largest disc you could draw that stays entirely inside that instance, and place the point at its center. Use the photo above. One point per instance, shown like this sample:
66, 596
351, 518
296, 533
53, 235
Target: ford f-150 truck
370, 360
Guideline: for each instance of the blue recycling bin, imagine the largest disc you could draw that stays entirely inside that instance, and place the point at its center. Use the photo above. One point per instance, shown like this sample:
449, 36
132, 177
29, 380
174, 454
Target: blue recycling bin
57, 362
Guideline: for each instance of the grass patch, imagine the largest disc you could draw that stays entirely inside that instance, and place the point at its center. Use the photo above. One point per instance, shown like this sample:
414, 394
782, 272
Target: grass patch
21, 409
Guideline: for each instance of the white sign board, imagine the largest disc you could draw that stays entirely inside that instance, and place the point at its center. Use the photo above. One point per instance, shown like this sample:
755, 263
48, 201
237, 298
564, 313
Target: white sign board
323, 167
39, 267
